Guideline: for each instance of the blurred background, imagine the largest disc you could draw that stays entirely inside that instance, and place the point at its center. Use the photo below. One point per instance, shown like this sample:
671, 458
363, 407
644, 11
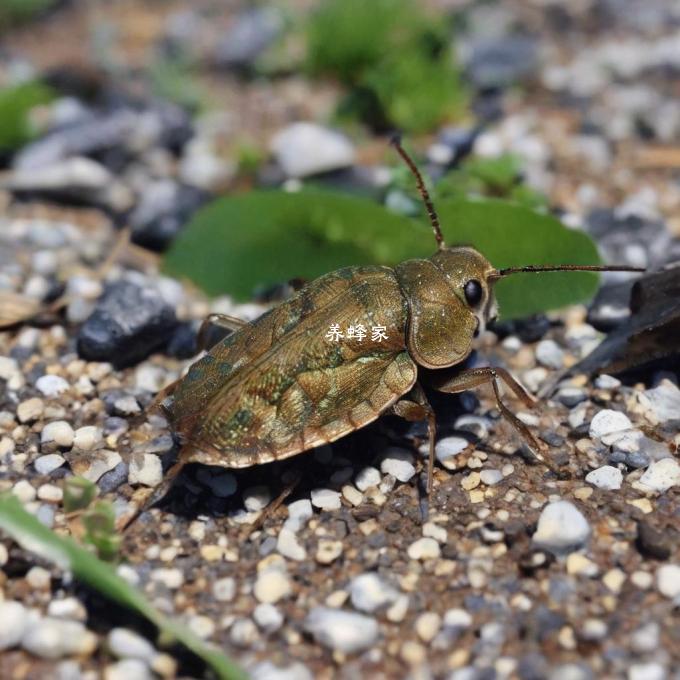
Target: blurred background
563, 106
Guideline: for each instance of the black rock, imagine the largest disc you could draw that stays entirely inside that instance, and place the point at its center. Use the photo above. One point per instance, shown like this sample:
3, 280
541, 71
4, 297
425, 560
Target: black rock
652, 543
182, 344
502, 62
531, 329
162, 212
128, 323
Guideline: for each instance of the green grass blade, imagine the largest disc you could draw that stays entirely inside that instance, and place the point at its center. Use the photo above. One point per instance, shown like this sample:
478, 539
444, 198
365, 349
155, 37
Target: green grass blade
33, 536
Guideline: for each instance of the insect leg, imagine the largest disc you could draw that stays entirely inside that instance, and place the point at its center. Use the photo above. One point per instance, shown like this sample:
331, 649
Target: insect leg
156, 494
414, 409
230, 323
475, 377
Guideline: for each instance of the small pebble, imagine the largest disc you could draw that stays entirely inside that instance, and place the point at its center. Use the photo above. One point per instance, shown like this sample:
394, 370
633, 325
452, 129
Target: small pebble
425, 548
342, 631
398, 463
54, 638
86, 438
60, 432
607, 423
367, 478
243, 633
268, 617
660, 476
549, 354
146, 469
127, 669
668, 580
491, 477
647, 671
664, 401
125, 643
45, 465
328, 551
224, 589
287, 544
427, 626
370, 591
271, 586
561, 528
14, 620
605, 477
51, 385
30, 410
326, 499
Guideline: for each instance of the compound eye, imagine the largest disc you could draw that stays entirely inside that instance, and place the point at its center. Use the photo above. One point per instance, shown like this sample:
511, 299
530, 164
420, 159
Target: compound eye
473, 292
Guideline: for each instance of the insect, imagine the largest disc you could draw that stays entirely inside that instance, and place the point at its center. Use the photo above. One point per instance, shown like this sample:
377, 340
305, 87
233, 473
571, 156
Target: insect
277, 386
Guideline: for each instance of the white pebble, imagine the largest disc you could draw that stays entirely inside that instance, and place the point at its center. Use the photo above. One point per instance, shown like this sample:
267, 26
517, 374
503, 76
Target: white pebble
171, 578
287, 544
126, 643
664, 401
370, 591
399, 464
127, 669
647, 671
446, 449
668, 580
271, 586
44, 465
60, 432
427, 626
607, 423
340, 630
425, 548
87, 437
367, 478
268, 617
660, 476
53, 638
457, 618
224, 589
256, 498
549, 354
605, 477
491, 477
146, 469
326, 499
561, 528
13, 622
51, 385
30, 409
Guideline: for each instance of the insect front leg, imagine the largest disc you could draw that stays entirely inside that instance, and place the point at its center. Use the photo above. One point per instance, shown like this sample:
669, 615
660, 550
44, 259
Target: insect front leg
230, 323
470, 378
413, 409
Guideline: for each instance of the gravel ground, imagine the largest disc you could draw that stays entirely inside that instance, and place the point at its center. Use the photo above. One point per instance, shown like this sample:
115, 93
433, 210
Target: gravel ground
517, 573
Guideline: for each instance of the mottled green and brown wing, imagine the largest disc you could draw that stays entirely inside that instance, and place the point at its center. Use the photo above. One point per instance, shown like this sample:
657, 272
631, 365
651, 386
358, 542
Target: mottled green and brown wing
279, 386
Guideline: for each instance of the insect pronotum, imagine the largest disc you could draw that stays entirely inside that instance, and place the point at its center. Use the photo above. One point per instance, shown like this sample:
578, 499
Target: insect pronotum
276, 386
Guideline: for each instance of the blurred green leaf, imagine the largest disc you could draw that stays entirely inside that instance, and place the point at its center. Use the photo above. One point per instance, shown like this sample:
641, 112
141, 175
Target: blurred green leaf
394, 58
33, 536
78, 493
262, 237
15, 11
100, 530
16, 103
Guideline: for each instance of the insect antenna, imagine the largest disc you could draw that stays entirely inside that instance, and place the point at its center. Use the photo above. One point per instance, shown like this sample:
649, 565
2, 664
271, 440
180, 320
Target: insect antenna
564, 268
434, 220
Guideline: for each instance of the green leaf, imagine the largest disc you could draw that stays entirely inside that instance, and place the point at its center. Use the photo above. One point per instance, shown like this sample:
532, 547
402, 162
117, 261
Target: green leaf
263, 237
15, 105
266, 237
78, 493
33, 536
100, 530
